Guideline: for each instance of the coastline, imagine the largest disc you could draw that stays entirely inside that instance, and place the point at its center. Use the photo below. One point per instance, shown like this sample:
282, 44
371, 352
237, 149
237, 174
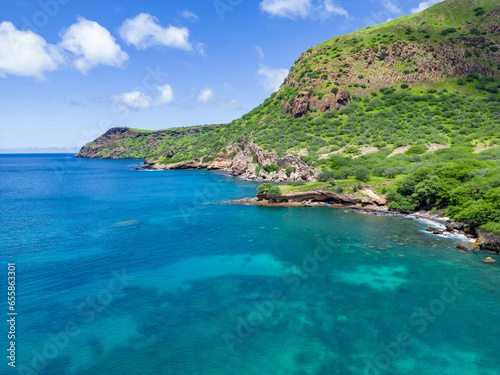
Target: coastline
467, 241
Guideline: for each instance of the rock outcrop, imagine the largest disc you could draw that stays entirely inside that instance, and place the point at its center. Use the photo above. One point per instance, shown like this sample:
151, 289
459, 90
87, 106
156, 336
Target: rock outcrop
304, 100
249, 160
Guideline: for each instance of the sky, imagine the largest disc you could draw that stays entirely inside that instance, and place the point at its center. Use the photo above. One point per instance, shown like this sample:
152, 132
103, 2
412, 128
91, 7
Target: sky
72, 69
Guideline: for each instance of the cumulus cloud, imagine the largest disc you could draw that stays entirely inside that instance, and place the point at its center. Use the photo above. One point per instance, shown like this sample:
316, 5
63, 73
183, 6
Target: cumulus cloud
315, 9
166, 94
333, 9
144, 31
424, 5
270, 78
134, 99
138, 99
24, 53
286, 8
206, 95
91, 45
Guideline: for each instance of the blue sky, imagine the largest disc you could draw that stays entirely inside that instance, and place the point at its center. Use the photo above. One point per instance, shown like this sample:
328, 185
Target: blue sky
71, 69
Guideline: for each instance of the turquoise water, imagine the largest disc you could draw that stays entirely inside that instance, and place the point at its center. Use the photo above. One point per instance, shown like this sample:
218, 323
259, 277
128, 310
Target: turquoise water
130, 272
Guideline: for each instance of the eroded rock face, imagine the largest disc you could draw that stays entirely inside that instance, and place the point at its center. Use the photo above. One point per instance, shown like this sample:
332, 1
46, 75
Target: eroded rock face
245, 163
300, 104
302, 172
222, 161
305, 100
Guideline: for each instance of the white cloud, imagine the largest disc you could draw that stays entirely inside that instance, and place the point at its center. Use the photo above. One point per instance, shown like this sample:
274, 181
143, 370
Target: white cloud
260, 52
391, 7
424, 5
91, 45
138, 99
166, 94
206, 95
190, 16
286, 8
270, 78
143, 31
316, 9
331, 8
134, 99
25, 53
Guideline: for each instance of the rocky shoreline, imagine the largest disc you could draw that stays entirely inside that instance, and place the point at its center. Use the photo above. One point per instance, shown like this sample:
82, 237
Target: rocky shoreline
378, 206
248, 161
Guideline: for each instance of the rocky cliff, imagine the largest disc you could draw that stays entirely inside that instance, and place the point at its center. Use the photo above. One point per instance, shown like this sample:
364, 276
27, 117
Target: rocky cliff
248, 161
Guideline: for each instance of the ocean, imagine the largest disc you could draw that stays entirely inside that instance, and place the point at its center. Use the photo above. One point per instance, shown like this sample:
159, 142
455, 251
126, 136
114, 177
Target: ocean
134, 272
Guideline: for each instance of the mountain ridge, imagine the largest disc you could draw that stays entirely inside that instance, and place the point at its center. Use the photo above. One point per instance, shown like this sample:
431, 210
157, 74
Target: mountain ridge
438, 49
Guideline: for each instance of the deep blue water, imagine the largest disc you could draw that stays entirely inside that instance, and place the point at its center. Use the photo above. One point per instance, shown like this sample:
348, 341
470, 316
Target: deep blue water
132, 272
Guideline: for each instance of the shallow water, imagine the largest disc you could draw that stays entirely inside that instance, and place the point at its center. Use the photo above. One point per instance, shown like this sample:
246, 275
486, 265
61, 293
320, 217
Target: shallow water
129, 272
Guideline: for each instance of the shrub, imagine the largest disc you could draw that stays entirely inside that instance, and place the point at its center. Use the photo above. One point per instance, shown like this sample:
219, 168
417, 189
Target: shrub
416, 150
490, 227
339, 189
269, 168
289, 170
331, 114
270, 190
449, 30
274, 192
326, 176
361, 173
404, 85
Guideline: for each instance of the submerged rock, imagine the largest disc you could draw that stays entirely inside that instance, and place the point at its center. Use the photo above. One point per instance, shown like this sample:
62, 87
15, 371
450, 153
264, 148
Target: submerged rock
127, 223
488, 260
341, 319
434, 230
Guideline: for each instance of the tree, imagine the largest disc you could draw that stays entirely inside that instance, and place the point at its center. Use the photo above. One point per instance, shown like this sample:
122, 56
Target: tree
361, 173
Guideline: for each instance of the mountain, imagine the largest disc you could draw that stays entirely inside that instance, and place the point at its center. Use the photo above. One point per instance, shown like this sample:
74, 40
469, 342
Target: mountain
406, 112
431, 77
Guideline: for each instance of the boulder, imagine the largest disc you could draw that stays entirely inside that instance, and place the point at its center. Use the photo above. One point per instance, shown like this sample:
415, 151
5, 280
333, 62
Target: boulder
240, 163
434, 230
488, 260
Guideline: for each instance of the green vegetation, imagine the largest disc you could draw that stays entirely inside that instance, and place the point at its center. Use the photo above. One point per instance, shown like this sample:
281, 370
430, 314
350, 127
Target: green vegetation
289, 170
269, 168
270, 190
